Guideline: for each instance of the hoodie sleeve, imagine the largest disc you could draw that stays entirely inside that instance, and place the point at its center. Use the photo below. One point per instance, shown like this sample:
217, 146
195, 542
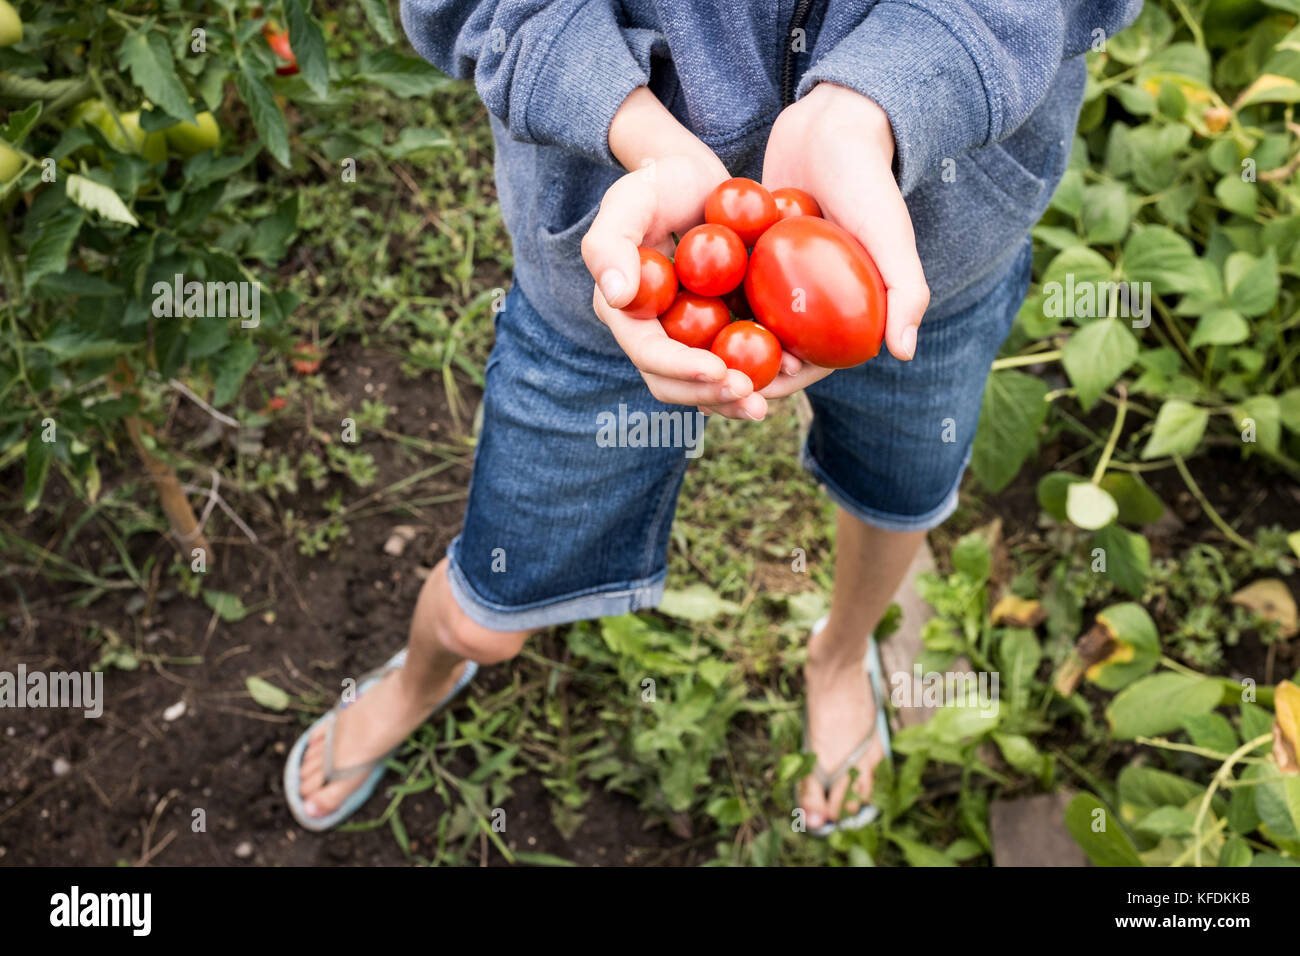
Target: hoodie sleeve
553, 71
955, 76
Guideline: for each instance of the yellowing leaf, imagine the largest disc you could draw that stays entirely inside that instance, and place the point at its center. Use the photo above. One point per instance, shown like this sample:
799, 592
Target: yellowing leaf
1122, 654
1018, 612
1269, 88
1271, 599
1286, 727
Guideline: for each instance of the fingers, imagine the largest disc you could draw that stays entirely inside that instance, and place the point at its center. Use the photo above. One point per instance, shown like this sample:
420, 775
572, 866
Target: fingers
672, 391
609, 248
753, 408
889, 239
787, 383
652, 351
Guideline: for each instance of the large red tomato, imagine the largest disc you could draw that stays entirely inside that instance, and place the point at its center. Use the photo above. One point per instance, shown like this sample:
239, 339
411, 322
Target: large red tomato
743, 206
748, 347
814, 285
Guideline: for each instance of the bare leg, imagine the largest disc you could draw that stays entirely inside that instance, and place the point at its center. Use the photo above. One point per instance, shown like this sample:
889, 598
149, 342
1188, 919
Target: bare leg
869, 566
441, 639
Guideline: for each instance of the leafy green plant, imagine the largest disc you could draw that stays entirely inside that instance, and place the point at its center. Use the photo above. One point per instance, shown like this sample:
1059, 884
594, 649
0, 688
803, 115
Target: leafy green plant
1166, 273
152, 152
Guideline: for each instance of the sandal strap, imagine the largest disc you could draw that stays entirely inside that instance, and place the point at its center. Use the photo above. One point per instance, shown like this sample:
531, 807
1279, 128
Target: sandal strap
829, 779
332, 773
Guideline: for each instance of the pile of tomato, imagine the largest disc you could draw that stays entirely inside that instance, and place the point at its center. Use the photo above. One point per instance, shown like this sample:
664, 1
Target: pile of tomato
763, 272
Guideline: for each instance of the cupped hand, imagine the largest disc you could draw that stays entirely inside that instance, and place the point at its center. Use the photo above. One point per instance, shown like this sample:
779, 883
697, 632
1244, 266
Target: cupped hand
838, 145
644, 208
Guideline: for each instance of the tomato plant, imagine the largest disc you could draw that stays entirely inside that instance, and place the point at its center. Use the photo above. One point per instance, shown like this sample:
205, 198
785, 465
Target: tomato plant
816, 288
116, 178
743, 206
656, 288
710, 259
695, 319
748, 347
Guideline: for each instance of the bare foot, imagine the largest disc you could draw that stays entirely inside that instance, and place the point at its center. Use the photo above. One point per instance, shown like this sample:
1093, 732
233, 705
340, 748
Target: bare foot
841, 709
368, 728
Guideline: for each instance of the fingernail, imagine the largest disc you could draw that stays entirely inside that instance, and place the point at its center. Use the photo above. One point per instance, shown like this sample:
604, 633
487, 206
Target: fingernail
909, 341
611, 284
311, 808
727, 395
814, 820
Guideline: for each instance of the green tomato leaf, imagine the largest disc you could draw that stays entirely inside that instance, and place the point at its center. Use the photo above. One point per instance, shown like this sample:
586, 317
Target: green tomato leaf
1096, 355
308, 44
1252, 283
1012, 413
1138, 504
1178, 429
146, 54
1259, 419
1160, 703
265, 113
1099, 833
1220, 327
1128, 558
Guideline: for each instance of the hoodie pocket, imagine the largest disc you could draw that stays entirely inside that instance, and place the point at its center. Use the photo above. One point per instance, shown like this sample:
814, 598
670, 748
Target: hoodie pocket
969, 227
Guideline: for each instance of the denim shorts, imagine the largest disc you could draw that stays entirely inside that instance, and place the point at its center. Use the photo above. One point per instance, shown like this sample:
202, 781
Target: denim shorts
578, 468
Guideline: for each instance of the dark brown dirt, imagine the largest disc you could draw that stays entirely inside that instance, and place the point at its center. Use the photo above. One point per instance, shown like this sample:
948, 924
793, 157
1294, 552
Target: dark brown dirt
126, 787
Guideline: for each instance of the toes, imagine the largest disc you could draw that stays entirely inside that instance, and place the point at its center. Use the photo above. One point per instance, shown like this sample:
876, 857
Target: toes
328, 799
813, 801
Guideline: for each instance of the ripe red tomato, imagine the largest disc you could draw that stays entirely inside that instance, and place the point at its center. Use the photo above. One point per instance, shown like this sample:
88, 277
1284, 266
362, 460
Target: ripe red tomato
743, 206
278, 40
306, 358
791, 202
748, 347
816, 288
657, 287
695, 320
711, 260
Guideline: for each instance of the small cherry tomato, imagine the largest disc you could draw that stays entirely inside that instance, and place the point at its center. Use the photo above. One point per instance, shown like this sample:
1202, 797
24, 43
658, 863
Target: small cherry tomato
791, 202
711, 260
276, 403
307, 358
695, 320
657, 287
743, 206
748, 347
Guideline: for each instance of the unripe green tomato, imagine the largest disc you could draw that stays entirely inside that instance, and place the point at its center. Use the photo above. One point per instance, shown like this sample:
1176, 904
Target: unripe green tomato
191, 138
152, 146
11, 25
88, 113
10, 163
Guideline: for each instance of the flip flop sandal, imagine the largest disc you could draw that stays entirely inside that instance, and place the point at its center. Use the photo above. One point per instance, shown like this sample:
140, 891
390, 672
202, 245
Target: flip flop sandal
869, 812
373, 768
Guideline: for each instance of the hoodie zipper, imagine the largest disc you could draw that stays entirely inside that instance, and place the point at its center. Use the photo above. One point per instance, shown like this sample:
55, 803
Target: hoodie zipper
797, 22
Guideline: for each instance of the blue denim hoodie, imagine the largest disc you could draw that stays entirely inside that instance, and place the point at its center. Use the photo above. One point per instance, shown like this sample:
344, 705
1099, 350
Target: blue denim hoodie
983, 96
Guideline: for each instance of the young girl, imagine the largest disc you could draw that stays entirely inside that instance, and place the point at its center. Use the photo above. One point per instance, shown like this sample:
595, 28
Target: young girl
934, 132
